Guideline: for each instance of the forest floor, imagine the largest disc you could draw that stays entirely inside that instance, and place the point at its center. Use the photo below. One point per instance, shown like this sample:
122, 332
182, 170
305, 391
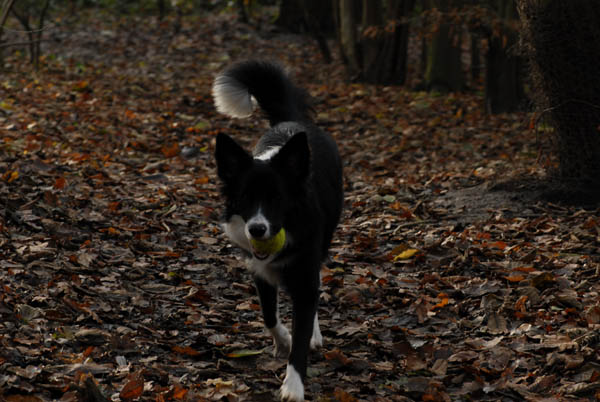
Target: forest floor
453, 275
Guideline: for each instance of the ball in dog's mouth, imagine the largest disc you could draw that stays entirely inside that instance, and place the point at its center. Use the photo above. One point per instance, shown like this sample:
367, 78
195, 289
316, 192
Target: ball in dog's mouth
263, 248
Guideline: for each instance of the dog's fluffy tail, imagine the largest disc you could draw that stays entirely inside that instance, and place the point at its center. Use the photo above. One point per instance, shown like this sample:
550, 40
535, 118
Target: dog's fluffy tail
268, 84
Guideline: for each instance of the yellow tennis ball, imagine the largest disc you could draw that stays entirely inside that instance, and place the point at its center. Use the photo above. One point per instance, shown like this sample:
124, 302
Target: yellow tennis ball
271, 245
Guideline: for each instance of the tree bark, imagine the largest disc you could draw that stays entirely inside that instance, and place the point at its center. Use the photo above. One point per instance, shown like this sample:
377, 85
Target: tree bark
443, 71
378, 53
312, 16
384, 57
563, 42
5, 10
348, 36
291, 16
475, 59
242, 10
504, 86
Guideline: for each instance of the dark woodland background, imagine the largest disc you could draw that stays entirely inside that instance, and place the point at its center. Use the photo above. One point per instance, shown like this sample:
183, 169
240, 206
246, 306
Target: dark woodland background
467, 263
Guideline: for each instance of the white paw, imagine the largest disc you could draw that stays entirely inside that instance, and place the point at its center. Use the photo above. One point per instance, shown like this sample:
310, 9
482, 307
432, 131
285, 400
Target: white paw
316, 340
283, 340
292, 388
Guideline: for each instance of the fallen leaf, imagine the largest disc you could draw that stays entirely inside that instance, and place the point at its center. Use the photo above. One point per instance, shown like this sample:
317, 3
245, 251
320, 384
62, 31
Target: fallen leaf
336, 355
60, 183
443, 301
179, 392
496, 323
543, 280
185, 350
170, 151
515, 278
133, 389
406, 254
343, 396
244, 353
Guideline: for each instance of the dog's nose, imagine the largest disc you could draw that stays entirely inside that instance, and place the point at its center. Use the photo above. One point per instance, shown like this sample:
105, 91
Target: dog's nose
257, 230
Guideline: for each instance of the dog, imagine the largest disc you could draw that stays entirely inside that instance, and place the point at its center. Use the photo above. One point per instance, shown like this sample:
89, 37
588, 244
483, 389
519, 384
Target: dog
291, 181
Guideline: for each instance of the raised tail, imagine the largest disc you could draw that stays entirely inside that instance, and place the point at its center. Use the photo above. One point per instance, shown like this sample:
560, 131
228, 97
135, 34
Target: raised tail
268, 84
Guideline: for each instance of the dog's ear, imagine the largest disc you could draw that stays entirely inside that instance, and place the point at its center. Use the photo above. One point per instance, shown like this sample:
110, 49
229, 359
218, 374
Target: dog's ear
293, 159
231, 158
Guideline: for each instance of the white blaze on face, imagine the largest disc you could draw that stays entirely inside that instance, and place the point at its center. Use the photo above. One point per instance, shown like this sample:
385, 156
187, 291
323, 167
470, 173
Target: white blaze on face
267, 154
258, 219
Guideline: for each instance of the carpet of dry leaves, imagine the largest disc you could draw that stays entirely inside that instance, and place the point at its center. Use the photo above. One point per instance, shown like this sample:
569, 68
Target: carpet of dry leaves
451, 276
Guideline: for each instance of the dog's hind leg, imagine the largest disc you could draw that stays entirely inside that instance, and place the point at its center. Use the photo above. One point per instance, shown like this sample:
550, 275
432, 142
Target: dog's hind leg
316, 340
268, 302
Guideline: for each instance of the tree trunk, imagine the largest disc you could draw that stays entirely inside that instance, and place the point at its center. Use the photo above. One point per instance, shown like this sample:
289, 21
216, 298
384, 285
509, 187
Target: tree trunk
377, 54
312, 16
38, 36
475, 59
348, 35
4, 11
371, 44
298, 16
444, 69
162, 9
242, 10
34, 35
319, 21
503, 87
291, 16
563, 39
384, 56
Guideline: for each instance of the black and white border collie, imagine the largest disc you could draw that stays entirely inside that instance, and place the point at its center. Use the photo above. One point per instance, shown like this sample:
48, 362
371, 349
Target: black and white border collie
292, 180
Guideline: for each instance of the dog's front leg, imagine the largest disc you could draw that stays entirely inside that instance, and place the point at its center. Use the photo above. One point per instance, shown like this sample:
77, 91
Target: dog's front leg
303, 318
268, 302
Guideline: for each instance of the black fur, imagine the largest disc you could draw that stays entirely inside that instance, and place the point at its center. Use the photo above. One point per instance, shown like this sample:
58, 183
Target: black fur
299, 188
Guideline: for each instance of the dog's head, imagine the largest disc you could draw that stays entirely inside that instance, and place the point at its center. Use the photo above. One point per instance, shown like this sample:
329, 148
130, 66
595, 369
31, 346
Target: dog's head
260, 192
